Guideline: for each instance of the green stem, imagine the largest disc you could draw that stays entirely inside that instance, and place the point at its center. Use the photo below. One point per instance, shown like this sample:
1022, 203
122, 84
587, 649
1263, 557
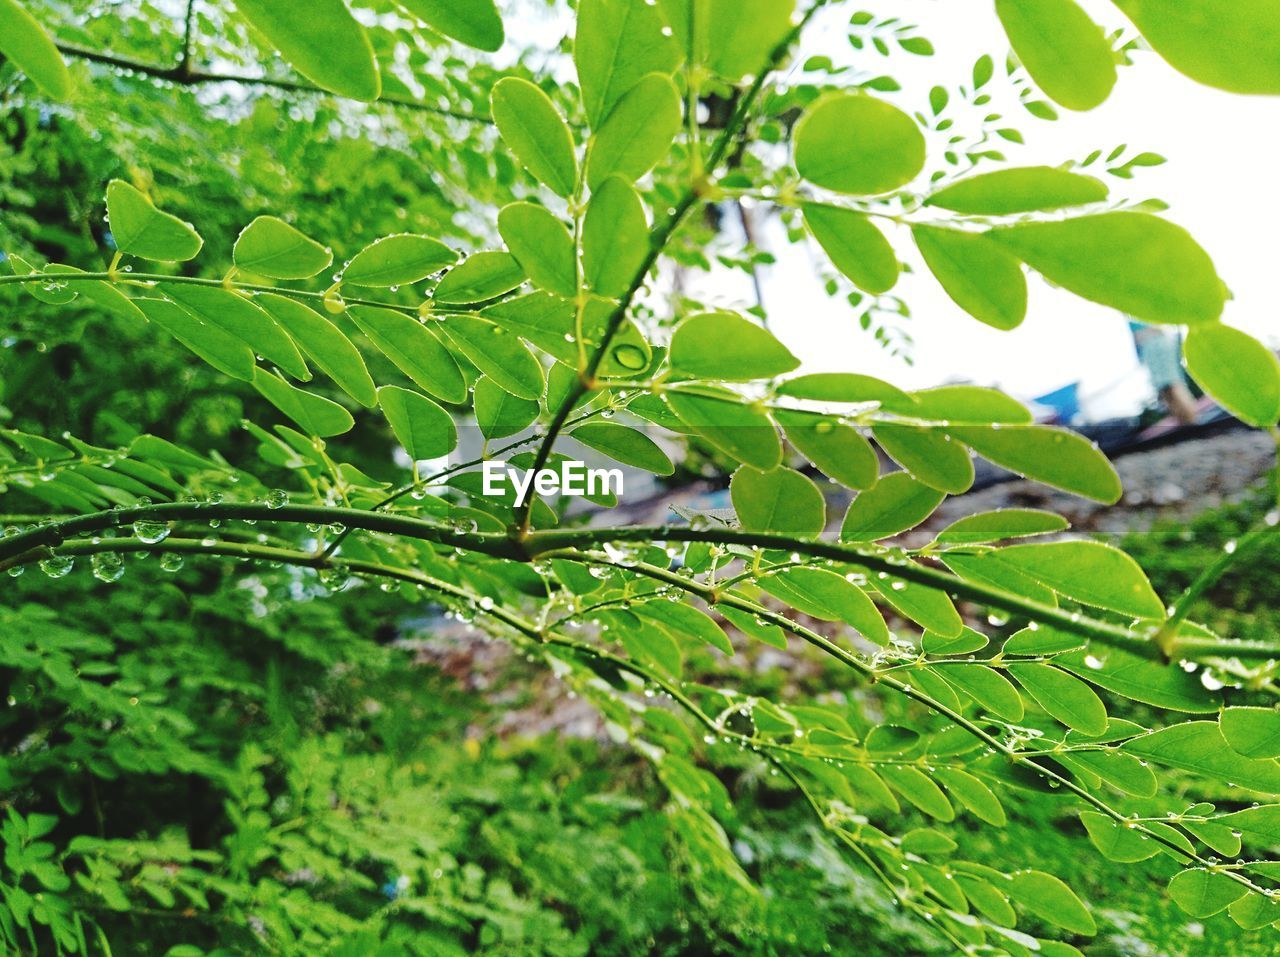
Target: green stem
142, 279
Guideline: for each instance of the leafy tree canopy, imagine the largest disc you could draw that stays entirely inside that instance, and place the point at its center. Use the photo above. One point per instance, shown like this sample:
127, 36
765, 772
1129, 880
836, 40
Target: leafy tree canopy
269, 262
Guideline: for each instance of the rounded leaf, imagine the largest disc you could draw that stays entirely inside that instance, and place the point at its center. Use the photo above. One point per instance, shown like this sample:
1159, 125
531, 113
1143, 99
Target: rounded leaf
637, 133
1231, 46
31, 49
979, 276
855, 246
534, 130
1237, 370
1065, 52
627, 445
778, 500
271, 247
542, 245
1135, 262
322, 41
725, 346
615, 238
854, 143
139, 229
480, 277
1021, 190
473, 22
398, 260
424, 429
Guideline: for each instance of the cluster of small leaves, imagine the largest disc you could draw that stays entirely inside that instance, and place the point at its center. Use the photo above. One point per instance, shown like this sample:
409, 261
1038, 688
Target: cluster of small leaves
416, 337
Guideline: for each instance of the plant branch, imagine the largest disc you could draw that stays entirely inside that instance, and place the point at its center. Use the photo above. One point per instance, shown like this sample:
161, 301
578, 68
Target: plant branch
183, 75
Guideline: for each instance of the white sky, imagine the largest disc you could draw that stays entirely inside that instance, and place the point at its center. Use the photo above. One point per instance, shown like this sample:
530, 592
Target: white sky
1223, 152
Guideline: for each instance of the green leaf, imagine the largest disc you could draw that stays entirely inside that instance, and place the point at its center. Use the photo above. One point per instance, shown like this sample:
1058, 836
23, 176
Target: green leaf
824, 595
103, 294
986, 568
968, 405
615, 237
617, 43
1237, 370
967, 642
413, 349
645, 641
919, 789
1065, 697
679, 618
1065, 52
1253, 732
848, 387
779, 500
1115, 841
314, 414
221, 350
1260, 826
979, 799
271, 247
542, 245
322, 41
854, 143
1255, 911
1198, 746
928, 454
1092, 573
32, 50
836, 449
891, 739
480, 277
626, 445
139, 229
893, 505
927, 842
1202, 892
425, 430
1051, 900
1001, 524
1135, 262
1122, 771
741, 34
1231, 46
1057, 457
44, 291
325, 344
398, 260
473, 22
980, 277
637, 133
739, 430
1141, 679
239, 316
747, 623
990, 689
855, 246
497, 353
724, 346
1023, 189
533, 129
927, 607
498, 412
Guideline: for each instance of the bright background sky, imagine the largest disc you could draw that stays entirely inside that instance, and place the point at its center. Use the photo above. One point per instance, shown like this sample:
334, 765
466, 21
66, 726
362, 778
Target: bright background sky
1223, 154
